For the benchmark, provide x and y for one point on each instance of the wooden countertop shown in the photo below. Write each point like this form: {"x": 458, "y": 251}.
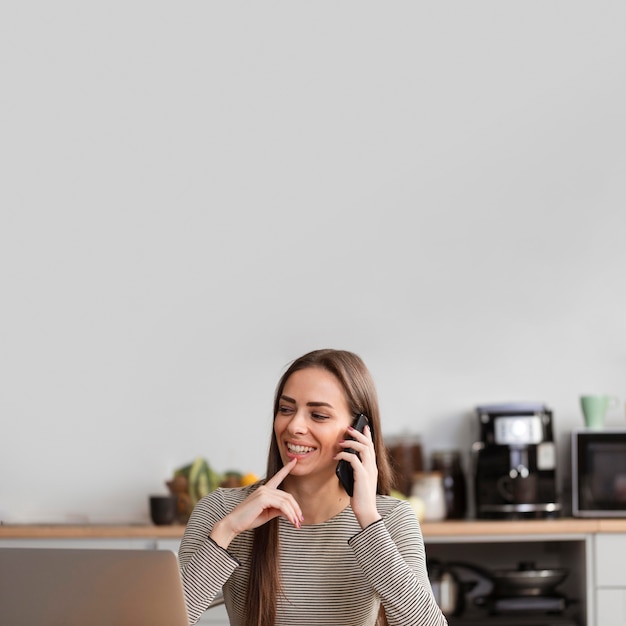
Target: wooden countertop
{"x": 452, "y": 528}
{"x": 92, "y": 531}
{"x": 561, "y": 526}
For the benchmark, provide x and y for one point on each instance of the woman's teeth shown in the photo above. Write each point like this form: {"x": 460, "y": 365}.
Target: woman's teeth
{"x": 299, "y": 449}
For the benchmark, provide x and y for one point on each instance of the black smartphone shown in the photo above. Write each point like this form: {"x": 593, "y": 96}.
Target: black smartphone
{"x": 344, "y": 469}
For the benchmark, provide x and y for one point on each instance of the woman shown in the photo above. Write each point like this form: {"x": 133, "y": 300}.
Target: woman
{"x": 296, "y": 549}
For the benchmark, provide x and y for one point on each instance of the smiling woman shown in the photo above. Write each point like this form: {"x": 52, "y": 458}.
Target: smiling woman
{"x": 295, "y": 548}
{"x": 313, "y": 415}
{"x": 308, "y": 429}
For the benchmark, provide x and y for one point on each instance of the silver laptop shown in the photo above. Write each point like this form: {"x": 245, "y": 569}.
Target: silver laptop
{"x": 100, "y": 587}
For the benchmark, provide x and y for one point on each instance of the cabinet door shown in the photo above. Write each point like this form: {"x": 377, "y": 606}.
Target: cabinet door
{"x": 168, "y": 544}
{"x": 610, "y": 564}
{"x": 611, "y": 607}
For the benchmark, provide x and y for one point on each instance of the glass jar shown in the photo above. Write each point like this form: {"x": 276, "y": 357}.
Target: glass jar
{"x": 428, "y": 487}
{"x": 448, "y": 462}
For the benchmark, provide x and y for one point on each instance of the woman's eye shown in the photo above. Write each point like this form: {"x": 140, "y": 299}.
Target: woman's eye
{"x": 317, "y": 416}
{"x": 285, "y": 410}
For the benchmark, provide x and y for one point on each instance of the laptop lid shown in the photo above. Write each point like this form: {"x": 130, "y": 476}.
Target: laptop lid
{"x": 99, "y": 587}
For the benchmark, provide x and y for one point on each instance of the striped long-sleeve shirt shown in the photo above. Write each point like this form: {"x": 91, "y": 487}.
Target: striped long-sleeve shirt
{"x": 333, "y": 573}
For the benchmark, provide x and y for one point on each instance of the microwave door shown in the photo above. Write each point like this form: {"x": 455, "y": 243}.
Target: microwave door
{"x": 600, "y": 475}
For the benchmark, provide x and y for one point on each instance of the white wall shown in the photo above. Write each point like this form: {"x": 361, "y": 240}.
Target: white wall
{"x": 195, "y": 194}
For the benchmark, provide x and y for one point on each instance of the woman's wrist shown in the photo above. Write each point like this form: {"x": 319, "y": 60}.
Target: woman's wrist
{"x": 367, "y": 519}
{"x": 221, "y": 534}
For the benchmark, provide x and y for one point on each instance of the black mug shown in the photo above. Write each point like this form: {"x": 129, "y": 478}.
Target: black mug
{"x": 163, "y": 509}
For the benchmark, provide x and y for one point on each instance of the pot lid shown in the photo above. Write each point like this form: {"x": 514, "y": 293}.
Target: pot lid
{"x": 526, "y": 570}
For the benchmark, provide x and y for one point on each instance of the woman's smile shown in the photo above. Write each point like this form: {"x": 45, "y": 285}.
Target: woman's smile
{"x": 298, "y": 450}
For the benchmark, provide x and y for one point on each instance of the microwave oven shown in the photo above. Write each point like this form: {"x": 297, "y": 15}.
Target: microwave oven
{"x": 599, "y": 473}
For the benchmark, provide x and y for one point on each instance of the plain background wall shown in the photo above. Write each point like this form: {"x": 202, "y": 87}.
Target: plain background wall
{"x": 195, "y": 194}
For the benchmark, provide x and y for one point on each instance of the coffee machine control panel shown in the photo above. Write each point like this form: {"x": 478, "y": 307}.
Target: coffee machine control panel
{"x": 512, "y": 430}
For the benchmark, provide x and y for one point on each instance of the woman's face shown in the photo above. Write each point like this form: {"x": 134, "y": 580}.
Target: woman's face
{"x": 312, "y": 418}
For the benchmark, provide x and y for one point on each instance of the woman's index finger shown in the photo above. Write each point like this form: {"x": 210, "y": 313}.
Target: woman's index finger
{"x": 280, "y": 475}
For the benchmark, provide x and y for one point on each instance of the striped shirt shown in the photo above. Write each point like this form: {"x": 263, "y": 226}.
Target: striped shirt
{"x": 333, "y": 573}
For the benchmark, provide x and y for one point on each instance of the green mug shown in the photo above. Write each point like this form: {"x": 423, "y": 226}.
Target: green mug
{"x": 595, "y": 408}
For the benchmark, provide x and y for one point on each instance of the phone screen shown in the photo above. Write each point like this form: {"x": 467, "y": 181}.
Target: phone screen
{"x": 344, "y": 469}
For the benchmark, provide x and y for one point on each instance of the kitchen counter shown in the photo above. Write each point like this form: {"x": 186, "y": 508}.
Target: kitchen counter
{"x": 452, "y": 528}
{"x": 584, "y": 547}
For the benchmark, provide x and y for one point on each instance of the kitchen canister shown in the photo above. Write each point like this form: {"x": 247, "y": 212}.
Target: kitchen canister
{"x": 428, "y": 487}
{"x": 405, "y": 454}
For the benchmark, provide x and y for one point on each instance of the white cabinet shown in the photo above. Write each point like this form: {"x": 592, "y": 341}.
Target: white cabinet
{"x": 610, "y": 579}
{"x": 610, "y": 607}
{"x": 215, "y": 616}
{"x": 610, "y": 560}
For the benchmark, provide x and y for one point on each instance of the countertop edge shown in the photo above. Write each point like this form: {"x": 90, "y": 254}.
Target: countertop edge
{"x": 101, "y": 531}
{"x": 449, "y": 528}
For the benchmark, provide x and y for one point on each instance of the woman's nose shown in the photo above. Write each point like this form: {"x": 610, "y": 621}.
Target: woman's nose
{"x": 297, "y": 424}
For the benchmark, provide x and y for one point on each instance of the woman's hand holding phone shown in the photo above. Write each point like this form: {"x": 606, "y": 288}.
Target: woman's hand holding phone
{"x": 263, "y": 504}
{"x": 344, "y": 467}
{"x": 365, "y": 473}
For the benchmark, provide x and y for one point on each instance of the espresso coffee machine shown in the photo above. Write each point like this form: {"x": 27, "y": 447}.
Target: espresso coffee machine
{"x": 515, "y": 462}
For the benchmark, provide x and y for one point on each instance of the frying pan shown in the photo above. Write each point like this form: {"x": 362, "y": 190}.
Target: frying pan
{"x": 527, "y": 580}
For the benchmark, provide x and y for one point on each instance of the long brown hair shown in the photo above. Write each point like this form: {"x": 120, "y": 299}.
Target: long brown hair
{"x": 354, "y": 377}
